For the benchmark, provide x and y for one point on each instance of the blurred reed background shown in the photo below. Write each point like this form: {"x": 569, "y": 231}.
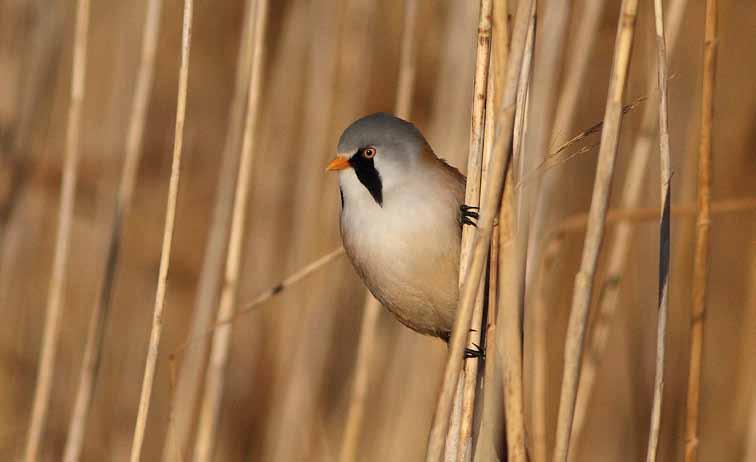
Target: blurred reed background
{"x": 285, "y": 389}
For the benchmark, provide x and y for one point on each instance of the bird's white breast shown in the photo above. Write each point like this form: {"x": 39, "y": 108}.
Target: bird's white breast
{"x": 407, "y": 250}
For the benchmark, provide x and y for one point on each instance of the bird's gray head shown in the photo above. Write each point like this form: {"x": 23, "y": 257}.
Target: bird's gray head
{"x": 381, "y": 152}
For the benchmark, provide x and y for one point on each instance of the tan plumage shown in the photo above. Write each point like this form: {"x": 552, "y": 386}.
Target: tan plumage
{"x": 400, "y": 220}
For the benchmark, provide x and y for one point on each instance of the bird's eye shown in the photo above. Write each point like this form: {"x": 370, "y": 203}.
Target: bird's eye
{"x": 369, "y": 152}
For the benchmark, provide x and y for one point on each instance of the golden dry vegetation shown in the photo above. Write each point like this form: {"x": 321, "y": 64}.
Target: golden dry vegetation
{"x": 285, "y": 390}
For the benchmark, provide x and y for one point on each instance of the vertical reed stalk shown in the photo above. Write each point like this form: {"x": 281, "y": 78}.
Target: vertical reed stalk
{"x": 477, "y": 126}
{"x": 540, "y": 307}
{"x": 577, "y": 66}
{"x": 457, "y": 438}
{"x": 701, "y": 262}
{"x": 575, "y": 69}
{"x": 747, "y": 341}
{"x": 368, "y": 330}
{"x": 470, "y": 383}
{"x": 471, "y": 367}
{"x": 321, "y": 47}
{"x": 489, "y": 444}
{"x": 54, "y": 306}
{"x": 365, "y": 353}
{"x": 451, "y": 448}
{"x": 548, "y": 58}
{"x": 193, "y": 358}
{"x": 510, "y": 335}
{"x": 595, "y": 232}
{"x": 664, "y": 232}
{"x": 98, "y": 320}
{"x": 214, "y": 377}
{"x": 750, "y": 450}
{"x": 549, "y": 52}
{"x": 622, "y": 235}
{"x": 521, "y": 103}
{"x": 408, "y": 56}
{"x": 165, "y": 252}
{"x": 481, "y": 240}
{"x": 352, "y": 30}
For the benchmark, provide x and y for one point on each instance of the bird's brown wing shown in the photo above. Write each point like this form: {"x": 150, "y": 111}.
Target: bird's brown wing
{"x": 454, "y": 172}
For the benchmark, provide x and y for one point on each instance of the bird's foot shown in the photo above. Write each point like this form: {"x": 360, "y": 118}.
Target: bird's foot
{"x": 476, "y": 352}
{"x": 468, "y": 215}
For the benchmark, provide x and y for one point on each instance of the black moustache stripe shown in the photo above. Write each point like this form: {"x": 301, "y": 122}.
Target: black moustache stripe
{"x": 368, "y": 175}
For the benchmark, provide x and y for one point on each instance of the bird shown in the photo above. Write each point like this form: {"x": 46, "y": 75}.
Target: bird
{"x": 402, "y": 212}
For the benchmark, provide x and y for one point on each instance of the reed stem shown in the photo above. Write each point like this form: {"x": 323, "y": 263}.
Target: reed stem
{"x": 183, "y": 404}
{"x": 664, "y": 232}
{"x": 703, "y": 222}
{"x": 54, "y": 305}
{"x": 165, "y": 252}
{"x": 481, "y": 242}
{"x": 622, "y": 235}
{"x": 596, "y": 220}
{"x": 458, "y": 442}
{"x": 215, "y": 374}
{"x": 99, "y": 317}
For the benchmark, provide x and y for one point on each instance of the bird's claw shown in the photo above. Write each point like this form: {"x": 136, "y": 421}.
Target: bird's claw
{"x": 468, "y": 215}
{"x": 476, "y": 352}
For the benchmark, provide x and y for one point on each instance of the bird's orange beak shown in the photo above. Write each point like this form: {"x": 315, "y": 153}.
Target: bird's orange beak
{"x": 338, "y": 163}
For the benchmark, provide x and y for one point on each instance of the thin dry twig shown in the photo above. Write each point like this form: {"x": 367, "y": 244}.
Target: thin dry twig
{"x": 98, "y": 320}
{"x": 165, "y": 253}
{"x": 368, "y": 330}
{"x": 664, "y": 232}
{"x": 285, "y": 284}
{"x": 54, "y": 307}
{"x": 477, "y": 258}
{"x": 183, "y": 406}
{"x": 264, "y": 297}
{"x": 556, "y": 157}
{"x": 701, "y": 262}
{"x": 594, "y": 235}
{"x": 214, "y": 377}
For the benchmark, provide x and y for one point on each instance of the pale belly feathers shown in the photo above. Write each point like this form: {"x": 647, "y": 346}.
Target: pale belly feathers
{"x": 407, "y": 253}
